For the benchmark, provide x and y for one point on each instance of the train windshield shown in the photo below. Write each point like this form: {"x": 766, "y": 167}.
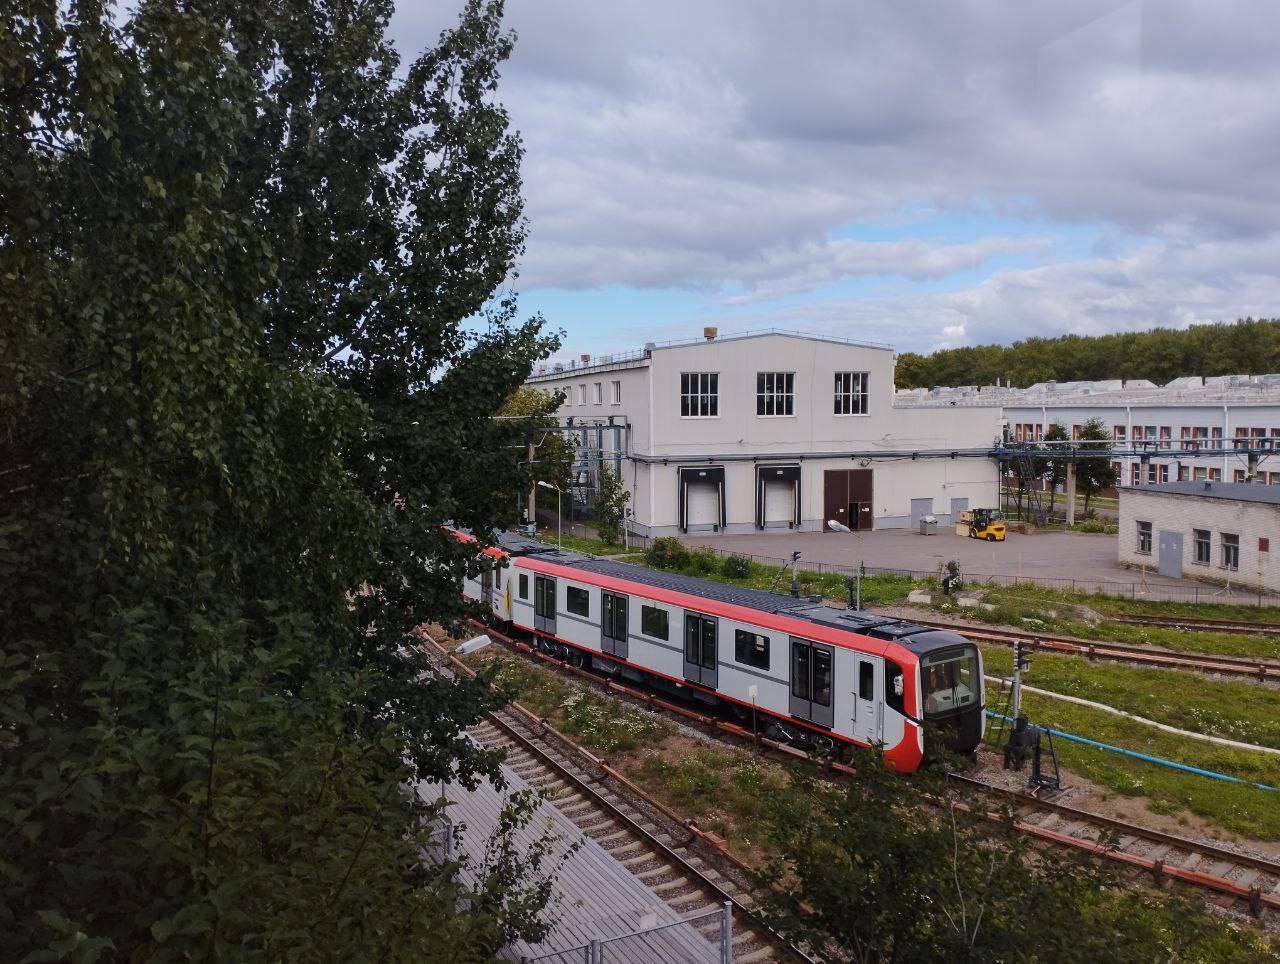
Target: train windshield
{"x": 951, "y": 680}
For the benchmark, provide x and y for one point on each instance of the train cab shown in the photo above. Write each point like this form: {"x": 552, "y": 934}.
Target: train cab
{"x": 951, "y": 689}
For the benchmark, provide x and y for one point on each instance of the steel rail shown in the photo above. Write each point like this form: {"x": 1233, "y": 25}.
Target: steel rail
{"x": 1172, "y": 659}
{"x": 1241, "y": 626}
{"x": 647, "y": 837}
{"x": 1255, "y": 898}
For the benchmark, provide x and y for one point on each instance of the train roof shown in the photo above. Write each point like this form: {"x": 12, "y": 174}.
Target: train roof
{"x": 915, "y": 638}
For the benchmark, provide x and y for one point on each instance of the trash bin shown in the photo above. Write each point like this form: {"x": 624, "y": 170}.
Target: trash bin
{"x": 929, "y": 525}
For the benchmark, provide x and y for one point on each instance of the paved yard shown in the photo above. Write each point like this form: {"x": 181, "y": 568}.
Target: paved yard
{"x": 1043, "y": 555}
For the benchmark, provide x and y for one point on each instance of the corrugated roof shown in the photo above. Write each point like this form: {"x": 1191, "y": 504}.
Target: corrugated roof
{"x": 1231, "y": 491}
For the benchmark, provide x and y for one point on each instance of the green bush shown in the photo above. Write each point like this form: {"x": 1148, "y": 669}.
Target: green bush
{"x": 703, "y": 562}
{"x": 667, "y": 553}
{"x": 736, "y": 567}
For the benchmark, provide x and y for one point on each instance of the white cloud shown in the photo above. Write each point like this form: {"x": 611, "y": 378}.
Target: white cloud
{"x": 722, "y": 145}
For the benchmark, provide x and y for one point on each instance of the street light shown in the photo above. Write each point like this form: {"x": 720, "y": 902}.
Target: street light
{"x": 835, "y": 526}
{"x": 548, "y": 485}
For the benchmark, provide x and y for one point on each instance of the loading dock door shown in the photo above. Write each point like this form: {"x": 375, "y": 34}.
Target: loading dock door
{"x": 779, "y": 503}
{"x": 958, "y": 506}
{"x": 1171, "y": 554}
{"x": 701, "y": 493}
{"x": 704, "y": 504}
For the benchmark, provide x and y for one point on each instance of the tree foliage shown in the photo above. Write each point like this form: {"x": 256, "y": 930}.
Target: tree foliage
{"x": 874, "y": 873}
{"x": 1160, "y": 355}
{"x": 241, "y": 388}
{"x": 609, "y": 505}
{"x": 531, "y": 419}
{"x": 1094, "y": 474}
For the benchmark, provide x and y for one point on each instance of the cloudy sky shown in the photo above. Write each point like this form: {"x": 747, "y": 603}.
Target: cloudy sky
{"x": 924, "y": 174}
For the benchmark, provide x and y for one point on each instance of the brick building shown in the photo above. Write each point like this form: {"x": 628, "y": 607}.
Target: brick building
{"x": 1214, "y": 531}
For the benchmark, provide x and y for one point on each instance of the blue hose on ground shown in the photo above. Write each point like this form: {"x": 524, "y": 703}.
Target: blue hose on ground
{"x": 1140, "y": 756}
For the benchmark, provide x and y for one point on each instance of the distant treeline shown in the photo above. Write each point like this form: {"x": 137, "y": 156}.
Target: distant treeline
{"x": 1246, "y": 347}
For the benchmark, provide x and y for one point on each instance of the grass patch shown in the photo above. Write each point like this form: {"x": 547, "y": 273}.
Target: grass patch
{"x": 592, "y": 547}
{"x": 1232, "y": 806}
{"x": 1232, "y": 710}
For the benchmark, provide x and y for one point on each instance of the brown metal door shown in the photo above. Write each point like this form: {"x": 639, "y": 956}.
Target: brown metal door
{"x": 859, "y": 499}
{"x": 835, "y": 497}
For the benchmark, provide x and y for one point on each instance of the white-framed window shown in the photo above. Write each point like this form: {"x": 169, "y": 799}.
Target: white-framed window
{"x": 1164, "y": 473}
{"x": 1144, "y": 538}
{"x": 1230, "y": 550}
{"x": 597, "y": 393}
{"x": 699, "y": 394}
{"x": 1200, "y": 540}
{"x": 851, "y": 393}
{"x": 775, "y": 393}
{"x": 582, "y": 394}
{"x": 615, "y": 395}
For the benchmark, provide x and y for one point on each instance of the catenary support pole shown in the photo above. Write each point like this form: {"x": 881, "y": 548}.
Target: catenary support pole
{"x": 1070, "y": 486}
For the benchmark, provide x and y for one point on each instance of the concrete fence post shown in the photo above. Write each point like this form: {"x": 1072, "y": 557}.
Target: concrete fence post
{"x": 726, "y": 933}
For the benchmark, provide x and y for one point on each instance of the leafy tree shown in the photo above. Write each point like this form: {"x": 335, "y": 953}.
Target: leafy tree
{"x": 874, "y": 873}
{"x": 1160, "y": 355}
{"x": 241, "y": 389}
{"x": 609, "y": 505}
{"x": 1055, "y": 469}
{"x": 532, "y": 415}
{"x": 1094, "y": 474}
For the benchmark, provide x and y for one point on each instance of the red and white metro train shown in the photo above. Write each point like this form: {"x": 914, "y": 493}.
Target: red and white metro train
{"x": 808, "y": 673}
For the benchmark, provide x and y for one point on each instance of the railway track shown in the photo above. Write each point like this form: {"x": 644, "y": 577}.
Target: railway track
{"x": 1235, "y": 880}
{"x": 1204, "y": 624}
{"x": 685, "y": 866}
{"x": 1230, "y": 879}
{"x": 1260, "y": 669}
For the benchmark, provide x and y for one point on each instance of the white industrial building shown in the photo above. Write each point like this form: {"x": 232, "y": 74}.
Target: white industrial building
{"x": 772, "y": 430}
{"x": 1160, "y": 424}
{"x": 1215, "y": 531}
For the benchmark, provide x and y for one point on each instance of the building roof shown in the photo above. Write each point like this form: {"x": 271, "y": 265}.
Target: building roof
{"x": 553, "y": 370}
{"x": 1230, "y": 491}
{"x": 1136, "y": 393}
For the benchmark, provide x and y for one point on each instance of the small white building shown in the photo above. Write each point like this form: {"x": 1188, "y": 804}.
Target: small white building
{"x": 1215, "y": 531}
{"x": 773, "y": 430}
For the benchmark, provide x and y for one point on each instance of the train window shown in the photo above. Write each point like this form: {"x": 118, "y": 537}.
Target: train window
{"x": 524, "y": 586}
{"x": 866, "y": 680}
{"x": 893, "y": 686}
{"x": 577, "y": 601}
{"x": 653, "y": 622}
{"x": 800, "y": 672}
{"x": 821, "y": 677}
{"x": 751, "y": 649}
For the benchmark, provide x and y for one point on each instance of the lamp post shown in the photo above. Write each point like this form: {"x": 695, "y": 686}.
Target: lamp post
{"x": 835, "y": 526}
{"x": 548, "y": 485}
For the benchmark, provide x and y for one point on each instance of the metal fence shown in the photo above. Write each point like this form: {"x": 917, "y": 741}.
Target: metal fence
{"x": 679, "y": 940}
{"x": 1140, "y": 589}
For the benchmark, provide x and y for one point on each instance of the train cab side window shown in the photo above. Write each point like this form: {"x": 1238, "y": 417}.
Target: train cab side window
{"x": 577, "y": 601}
{"x": 866, "y": 680}
{"x": 893, "y": 686}
{"x": 653, "y": 622}
{"x": 524, "y": 586}
{"x": 751, "y": 649}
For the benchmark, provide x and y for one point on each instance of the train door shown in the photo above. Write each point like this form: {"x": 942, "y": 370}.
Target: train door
{"x": 811, "y": 666}
{"x": 486, "y": 589}
{"x": 700, "y": 660}
{"x": 613, "y": 624}
{"x": 868, "y": 713}
{"x": 544, "y": 604}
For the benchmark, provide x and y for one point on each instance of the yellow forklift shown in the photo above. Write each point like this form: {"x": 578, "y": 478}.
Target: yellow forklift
{"x": 982, "y": 524}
